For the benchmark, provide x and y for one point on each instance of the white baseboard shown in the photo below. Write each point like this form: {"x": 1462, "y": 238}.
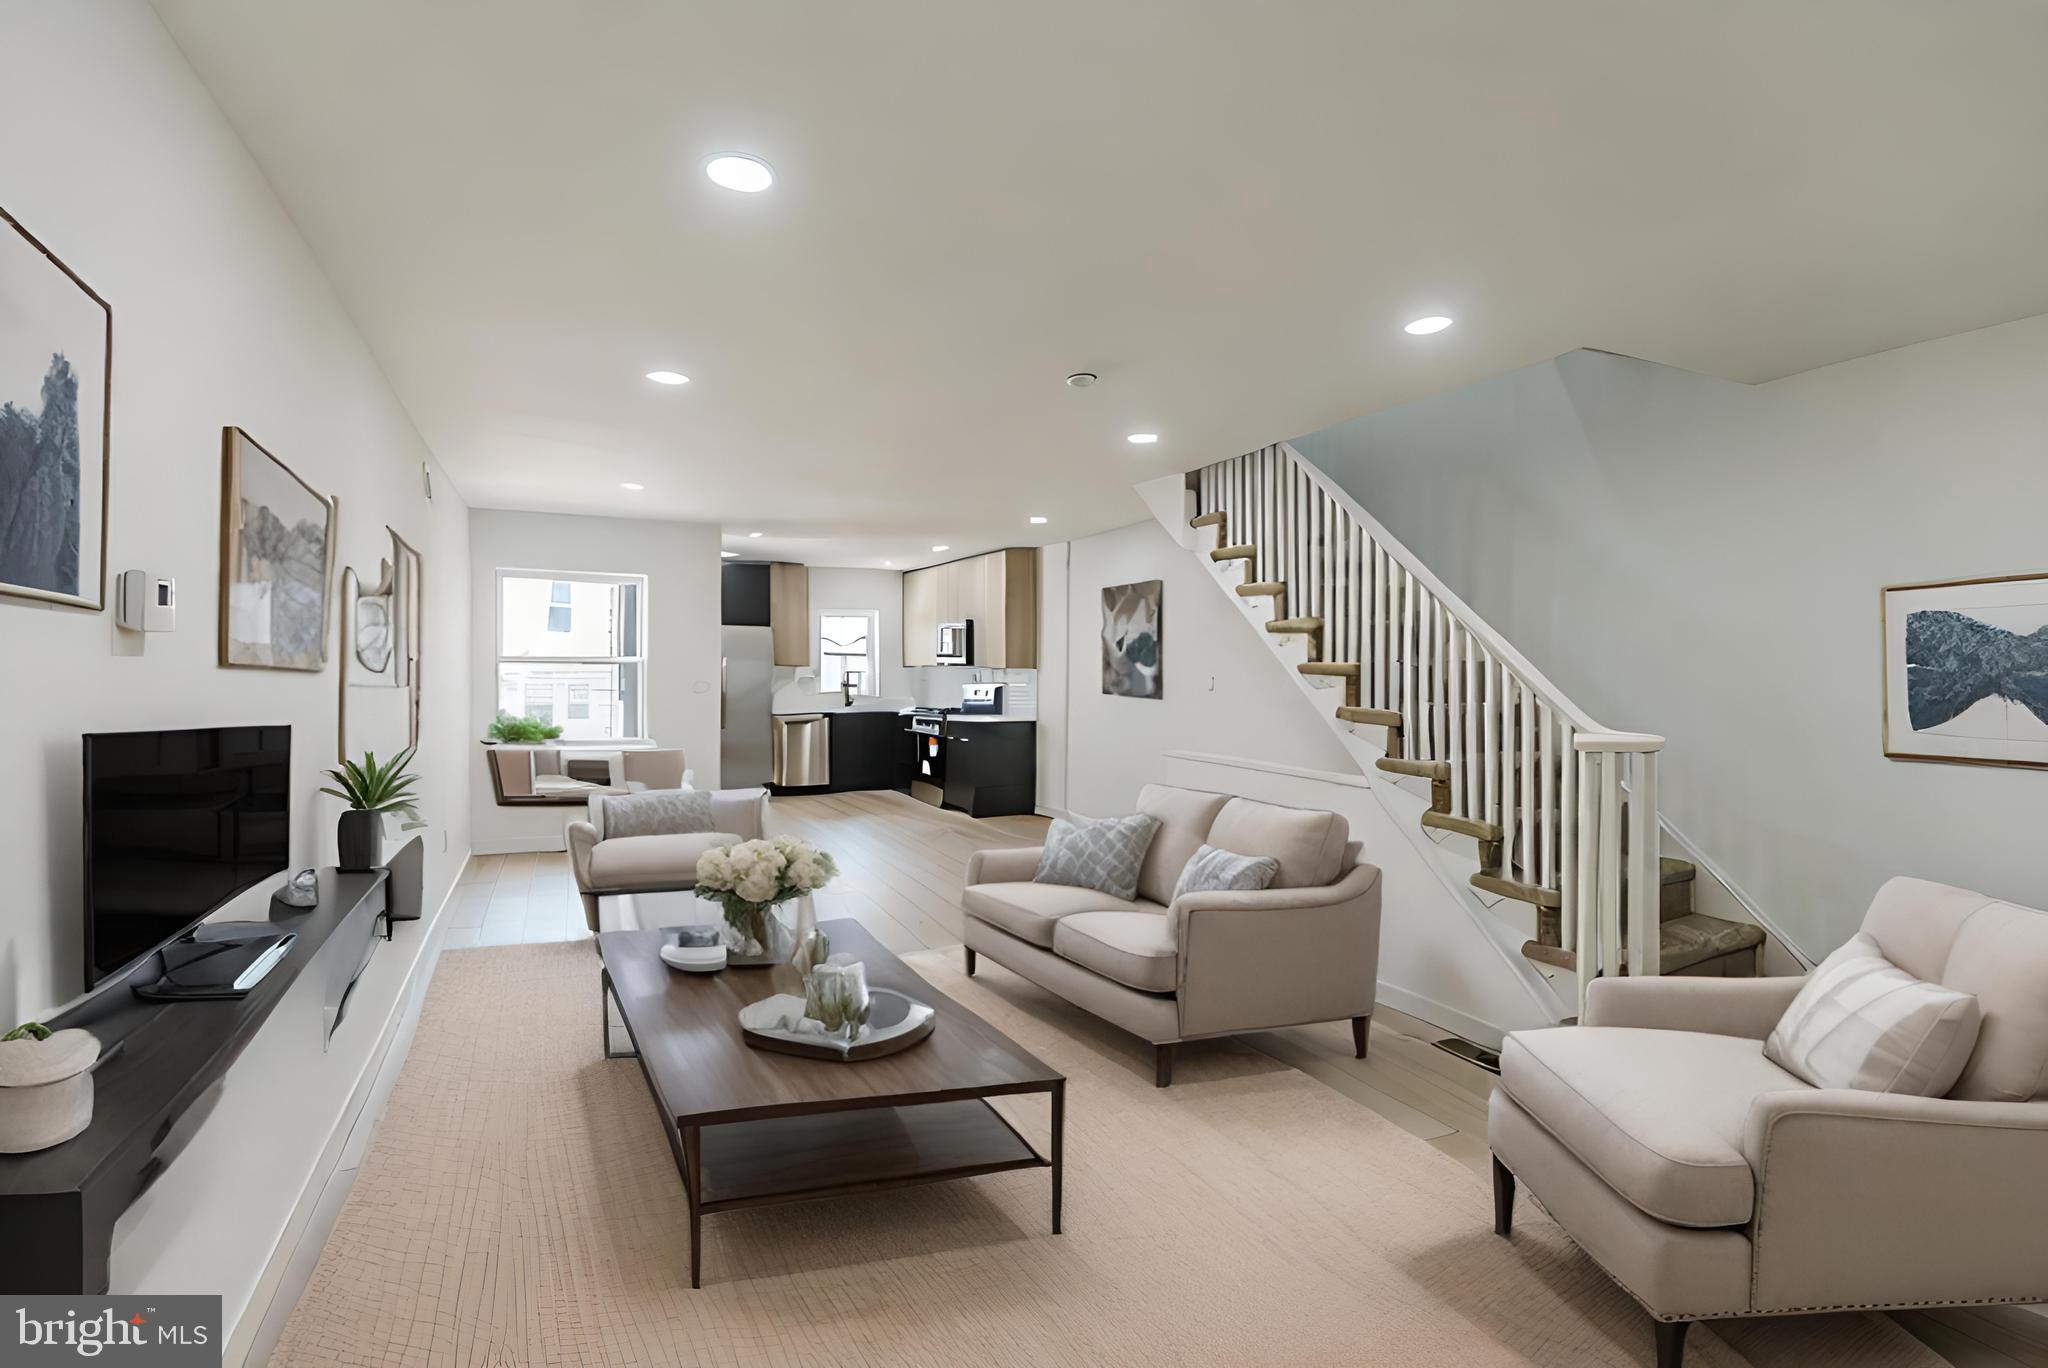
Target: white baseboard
{"x": 1436, "y": 1014}
{"x": 520, "y": 845}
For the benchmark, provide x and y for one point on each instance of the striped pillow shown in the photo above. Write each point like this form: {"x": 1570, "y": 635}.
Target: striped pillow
{"x": 1862, "y": 1022}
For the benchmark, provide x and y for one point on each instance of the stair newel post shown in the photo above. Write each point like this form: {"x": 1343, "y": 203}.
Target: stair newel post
{"x": 1568, "y": 865}
{"x": 1609, "y": 912}
{"x": 1583, "y": 901}
{"x": 1645, "y": 874}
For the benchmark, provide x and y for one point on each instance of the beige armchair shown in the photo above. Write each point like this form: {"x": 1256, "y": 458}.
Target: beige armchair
{"x": 655, "y": 861}
{"x": 1710, "y": 1183}
{"x": 1208, "y": 964}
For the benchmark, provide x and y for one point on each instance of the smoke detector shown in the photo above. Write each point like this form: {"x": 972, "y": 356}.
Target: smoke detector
{"x": 1081, "y": 379}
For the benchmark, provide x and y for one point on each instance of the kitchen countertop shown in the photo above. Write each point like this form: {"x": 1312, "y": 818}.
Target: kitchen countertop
{"x": 979, "y": 717}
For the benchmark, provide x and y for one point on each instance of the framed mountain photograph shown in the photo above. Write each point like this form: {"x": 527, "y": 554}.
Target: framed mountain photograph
{"x": 1966, "y": 671}
{"x": 56, "y": 357}
{"x": 276, "y": 561}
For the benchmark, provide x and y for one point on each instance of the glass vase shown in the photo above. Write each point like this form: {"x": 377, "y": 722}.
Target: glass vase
{"x": 755, "y": 937}
{"x": 808, "y": 945}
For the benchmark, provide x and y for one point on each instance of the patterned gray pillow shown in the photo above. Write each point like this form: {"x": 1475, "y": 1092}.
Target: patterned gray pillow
{"x": 1210, "y": 870}
{"x": 1102, "y": 855}
{"x": 662, "y": 812}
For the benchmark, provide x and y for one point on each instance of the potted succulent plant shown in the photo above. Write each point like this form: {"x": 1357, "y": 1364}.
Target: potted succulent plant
{"x": 371, "y": 790}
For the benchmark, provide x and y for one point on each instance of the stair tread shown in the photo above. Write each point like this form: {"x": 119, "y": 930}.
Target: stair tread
{"x": 1211, "y": 519}
{"x": 1234, "y": 553}
{"x": 1673, "y": 871}
{"x": 1682, "y": 943}
{"x": 1493, "y": 881}
{"x": 1415, "y": 769}
{"x": 1306, "y": 624}
{"x": 1464, "y": 826}
{"x": 1346, "y": 669}
{"x": 1376, "y": 717}
{"x": 1262, "y": 588}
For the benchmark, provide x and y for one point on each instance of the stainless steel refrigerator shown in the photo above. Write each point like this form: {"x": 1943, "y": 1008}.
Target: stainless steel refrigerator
{"x": 746, "y": 681}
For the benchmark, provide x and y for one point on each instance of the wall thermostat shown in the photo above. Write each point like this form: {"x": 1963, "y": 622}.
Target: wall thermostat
{"x": 146, "y": 602}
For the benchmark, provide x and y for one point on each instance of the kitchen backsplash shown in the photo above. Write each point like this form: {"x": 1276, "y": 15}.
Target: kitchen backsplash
{"x": 938, "y": 686}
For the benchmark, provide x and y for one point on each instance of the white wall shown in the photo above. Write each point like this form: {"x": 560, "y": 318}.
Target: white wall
{"x": 117, "y": 159}
{"x": 1703, "y": 559}
{"x": 680, "y": 561}
{"x": 1220, "y": 694}
{"x": 834, "y": 589}
{"x": 221, "y": 316}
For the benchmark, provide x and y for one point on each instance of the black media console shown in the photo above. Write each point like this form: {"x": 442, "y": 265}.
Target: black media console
{"x": 161, "y": 1073}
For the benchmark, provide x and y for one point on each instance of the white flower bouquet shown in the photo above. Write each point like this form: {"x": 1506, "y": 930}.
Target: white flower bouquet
{"x": 750, "y": 878}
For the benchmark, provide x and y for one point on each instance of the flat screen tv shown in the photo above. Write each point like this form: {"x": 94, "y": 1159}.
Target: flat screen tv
{"x": 177, "y": 823}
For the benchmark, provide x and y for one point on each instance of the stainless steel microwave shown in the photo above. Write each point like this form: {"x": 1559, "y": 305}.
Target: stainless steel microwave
{"x": 956, "y": 643}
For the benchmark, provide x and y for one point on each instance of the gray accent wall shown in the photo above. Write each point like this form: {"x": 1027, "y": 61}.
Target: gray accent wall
{"x": 1703, "y": 559}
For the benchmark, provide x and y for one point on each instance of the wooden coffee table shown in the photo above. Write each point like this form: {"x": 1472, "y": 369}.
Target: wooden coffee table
{"x": 751, "y": 1127}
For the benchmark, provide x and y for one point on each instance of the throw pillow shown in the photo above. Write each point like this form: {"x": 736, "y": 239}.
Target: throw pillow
{"x": 658, "y": 812}
{"x": 1103, "y": 855}
{"x": 1211, "y": 870}
{"x": 1862, "y": 1022}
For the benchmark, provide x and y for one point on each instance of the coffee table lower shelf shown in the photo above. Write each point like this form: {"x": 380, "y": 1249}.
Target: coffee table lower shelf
{"x": 846, "y": 1152}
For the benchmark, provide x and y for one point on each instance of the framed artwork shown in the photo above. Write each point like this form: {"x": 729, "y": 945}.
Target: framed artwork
{"x": 381, "y": 628}
{"x": 276, "y": 561}
{"x": 1966, "y": 671}
{"x": 1130, "y": 639}
{"x": 56, "y": 363}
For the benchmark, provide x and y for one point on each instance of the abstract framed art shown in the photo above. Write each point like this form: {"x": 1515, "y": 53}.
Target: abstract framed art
{"x": 276, "y": 561}
{"x": 1131, "y": 666}
{"x": 56, "y": 366}
{"x": 1966, "y": 671}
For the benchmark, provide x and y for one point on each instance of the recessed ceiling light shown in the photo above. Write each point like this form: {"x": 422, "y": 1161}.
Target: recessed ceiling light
{"x": 628, "y": 484}
{"x": 1036, "y": 519}
{"x": 753, "y": 534}
{"x": 728, "y": 555}
{"x": 738, "y": 171}
{"x": 942, "y": 548}
{"x": 1082, "y": 379}
{"x": 888, "y": 562}
{"x": 668, "y": 377}
{"x": 1423, "y": 327}
{"x": 1143, "y": 438}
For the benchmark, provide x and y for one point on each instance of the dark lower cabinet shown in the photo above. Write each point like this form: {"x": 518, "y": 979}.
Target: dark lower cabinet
{"x": 992, "y": 768}
{"x": 866, "y": 749}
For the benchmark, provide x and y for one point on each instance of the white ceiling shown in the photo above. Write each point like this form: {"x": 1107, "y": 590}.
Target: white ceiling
{"x": 1226, "y": 208}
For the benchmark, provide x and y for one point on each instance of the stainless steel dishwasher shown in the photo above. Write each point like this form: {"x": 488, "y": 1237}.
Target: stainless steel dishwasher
{"x": 803, "y": 750}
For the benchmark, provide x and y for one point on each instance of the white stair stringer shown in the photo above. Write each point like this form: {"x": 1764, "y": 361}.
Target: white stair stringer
{"x": 1446, "y": 955}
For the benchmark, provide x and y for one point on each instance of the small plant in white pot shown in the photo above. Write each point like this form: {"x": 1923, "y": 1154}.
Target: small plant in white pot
{"x": 45, "y": 1086}
{"x": 748, "y": 880}
{"x": 371, "y": 790}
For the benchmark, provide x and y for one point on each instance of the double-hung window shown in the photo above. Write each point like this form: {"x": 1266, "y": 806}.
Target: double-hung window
{"x": 572, "y": 652}
{"x": 846, "y": 646}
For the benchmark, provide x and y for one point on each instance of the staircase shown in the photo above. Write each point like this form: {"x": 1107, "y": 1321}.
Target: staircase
{"x": 1561, "y": 811}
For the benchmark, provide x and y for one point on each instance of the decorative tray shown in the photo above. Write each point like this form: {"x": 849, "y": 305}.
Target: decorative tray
{"x": 895, "y": 1022}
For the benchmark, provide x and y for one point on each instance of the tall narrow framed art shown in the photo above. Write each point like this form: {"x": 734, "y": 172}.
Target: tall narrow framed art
{"x": 56, "y": 366}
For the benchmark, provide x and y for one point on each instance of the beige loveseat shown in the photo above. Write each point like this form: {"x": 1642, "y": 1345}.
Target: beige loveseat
{"x": 657, "y": 863}
{"x": 1709, "y": 1182}
{"x": 1209, "y": 964}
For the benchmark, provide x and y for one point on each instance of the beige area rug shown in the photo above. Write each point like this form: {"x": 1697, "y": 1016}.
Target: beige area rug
{"x": 519, "y": 1206}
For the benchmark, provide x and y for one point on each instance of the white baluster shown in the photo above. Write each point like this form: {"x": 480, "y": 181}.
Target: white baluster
{"x": 1489, "y": 709}
{"x": 1584, "y": 910}
{"x": 1546, "y": 794}
{"x": 1510, "y": 778}
{"x": 1567, "y": 840}
{"x": 1645, "y": 874}
{"x": 1454, "y": 704}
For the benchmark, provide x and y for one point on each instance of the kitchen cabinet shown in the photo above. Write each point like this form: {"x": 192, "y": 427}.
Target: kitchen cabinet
{"x": 789, "y": 612}
{"x": 867, "y": 749}
{"x": 921, "y": 616}
{"x": 997, "y": 592}
{"x": 991, "y": 768}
